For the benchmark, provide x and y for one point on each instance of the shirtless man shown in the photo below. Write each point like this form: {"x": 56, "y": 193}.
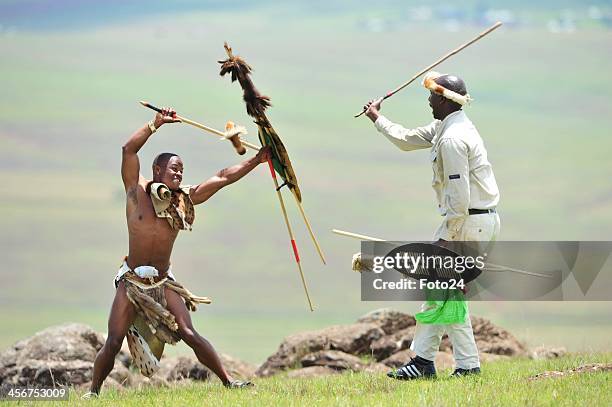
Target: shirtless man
{"x": 151, "y": 239}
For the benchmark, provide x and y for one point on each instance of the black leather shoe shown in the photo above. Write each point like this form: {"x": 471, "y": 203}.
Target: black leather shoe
{"x": 417, "y": 368}
{"x": 465, "y": 372}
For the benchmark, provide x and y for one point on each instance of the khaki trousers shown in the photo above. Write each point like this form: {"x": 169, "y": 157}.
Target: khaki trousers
{"x": 479, "y": 228}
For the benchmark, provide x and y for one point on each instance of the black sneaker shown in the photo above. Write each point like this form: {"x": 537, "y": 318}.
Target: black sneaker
{"x": 465, "y": 372}
{"x": 417, "y": 368}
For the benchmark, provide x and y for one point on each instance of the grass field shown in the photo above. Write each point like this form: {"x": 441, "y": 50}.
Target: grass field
{"x": 69, "y": 100}
{"x": 503, "y": 383}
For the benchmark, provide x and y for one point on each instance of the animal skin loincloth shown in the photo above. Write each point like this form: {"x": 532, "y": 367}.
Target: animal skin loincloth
{"x": 154, "y": 325}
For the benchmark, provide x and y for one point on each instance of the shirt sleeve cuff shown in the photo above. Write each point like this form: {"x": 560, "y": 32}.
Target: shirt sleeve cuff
{"x": 382, "y": 123}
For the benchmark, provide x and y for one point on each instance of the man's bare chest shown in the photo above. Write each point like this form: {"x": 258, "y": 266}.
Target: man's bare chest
{"x": 141, "y": 216}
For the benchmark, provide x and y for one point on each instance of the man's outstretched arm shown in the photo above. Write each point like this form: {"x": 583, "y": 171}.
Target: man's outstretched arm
{"x": 208, "y": 188}
{"x": 403, "y": 138}
{"x": 130, "y": 166}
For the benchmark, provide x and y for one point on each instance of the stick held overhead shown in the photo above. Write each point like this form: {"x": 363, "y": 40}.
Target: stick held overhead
{"x": 228, "y": 135}
{"x": 438, "y": 62}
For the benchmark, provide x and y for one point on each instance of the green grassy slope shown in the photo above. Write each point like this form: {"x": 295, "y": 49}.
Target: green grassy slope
{"x": 501, "y": 384}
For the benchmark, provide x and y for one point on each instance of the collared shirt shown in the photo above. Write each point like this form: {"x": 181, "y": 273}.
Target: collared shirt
{"x": 462, "y": 175}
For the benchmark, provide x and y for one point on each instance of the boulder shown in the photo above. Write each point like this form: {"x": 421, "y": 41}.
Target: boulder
{"x": 64, "y": 355}
{"x": 312, "y": 371}
{"x": 174, "y": 369}
{"x": 179, "y": 368}
{"x": 139, "y": 381}
{"x": 491, "y": 338}
{"x": 542, "y": 352}
{"x": 354, "y": 339}
{"x": 444, "y": 360}
{"x": 588, "y": 368}
{"x": 387, "y": 345}
{"x": 59, "y": 355}
{"x": 389, "y": 320}
{"x": 238, "y": 368}
{"x": 62, "y": 343}
{"x": 490, "y": 357}
{"x": 376, "y": 368}
{"x": 333, "y": 359}
{"x": 51, "y": 373}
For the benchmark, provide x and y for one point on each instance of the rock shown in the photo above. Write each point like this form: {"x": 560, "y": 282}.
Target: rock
{"x": 384, "y": 333}
{"x": 543, "y": 352}
{"x": 238, "y": 368}
{"x": 444, "y": 360}
{"x": 121, "y": 374}
{"x": 589, "y": 368}
{"x": 445, "y": 344}
{"x": 65, "y": 354}
{"x": 53, "y": 373}
{"x": 61, "y": 354}
{"x": 353, "y": 339}
{"x": 399, "y": 358}
{"x": 62, "y": 343}
{"x": 179, "y": 368}
{"x": 387, "y": 345}
{"x": 490, "y": 357}
{"x": 312, "y": 371}
{"x": 141, "y": 382}
{"x": 492, "y": 339}
{"x": 376, "y": 368}
{"x": 333, "y": 359}
{"x": 388, "y": 320}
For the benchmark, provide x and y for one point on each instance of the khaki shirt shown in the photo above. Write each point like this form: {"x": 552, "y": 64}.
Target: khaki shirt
{"x": 462, "y": 175}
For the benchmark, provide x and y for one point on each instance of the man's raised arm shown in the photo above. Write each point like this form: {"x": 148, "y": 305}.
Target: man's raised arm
{"x": 208, "y": 188}
{"x": 130, "y": 166}
{"x": 403, "y": 138}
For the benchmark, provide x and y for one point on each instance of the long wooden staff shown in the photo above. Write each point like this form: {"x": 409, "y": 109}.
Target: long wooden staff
{"x": 310, "y": 232}
{"x": 438, "y": 62}
{"x": 296, "y": 254}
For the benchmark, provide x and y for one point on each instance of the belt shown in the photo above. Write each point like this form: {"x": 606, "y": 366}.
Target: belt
{"x": 481, "y": 211}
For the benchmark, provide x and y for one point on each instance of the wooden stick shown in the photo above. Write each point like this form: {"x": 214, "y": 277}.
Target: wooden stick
{"x": 438, "y": 62}
{"x": 488, "y": 266}
{"x": 293, "y": 244}
{"x": 496, "y": 267}
{"x": 296, "y": 254}
{"x": 312, "y": 235}
{"x": 200, "y": 125}
{"x": 357, "y": 236}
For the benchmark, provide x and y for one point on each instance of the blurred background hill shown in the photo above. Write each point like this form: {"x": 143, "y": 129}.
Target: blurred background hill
{"x": 72, "y": 73}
